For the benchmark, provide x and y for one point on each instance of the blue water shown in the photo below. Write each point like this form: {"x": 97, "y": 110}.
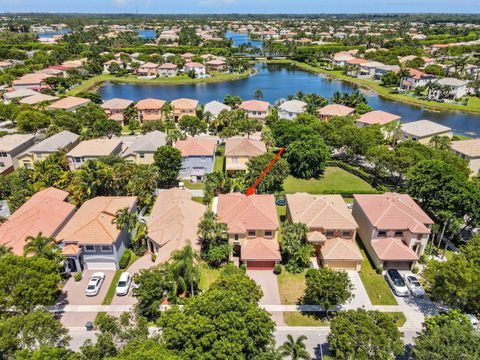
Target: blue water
{"x": 278, "y": 81}
{"x": 52, "y": 34}
{"x": 147, "y": 34}
{"x": 240, "y": 39}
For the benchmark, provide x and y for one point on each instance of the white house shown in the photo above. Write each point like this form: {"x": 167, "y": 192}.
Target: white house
{"x": 168, "y": 70}
{"x": 215, "y": 108}
{"x": 455, "y": 88}
{"x": 290, "y": 109}
{"x": 199, "y": 69}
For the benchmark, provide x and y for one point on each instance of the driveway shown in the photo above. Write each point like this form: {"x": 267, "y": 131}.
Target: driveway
{"x": 74, "y": 292}
{"x": 360, "y": 298}
{"x": 267, "y": 281}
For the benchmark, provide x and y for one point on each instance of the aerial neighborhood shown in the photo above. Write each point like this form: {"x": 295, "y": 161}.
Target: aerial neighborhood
{"x": 239, "y": 186}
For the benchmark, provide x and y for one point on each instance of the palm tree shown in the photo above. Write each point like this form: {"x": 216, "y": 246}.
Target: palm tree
{"x": 184, "y": 268}
{"x": 42, "y": 246}
{"x": 337, "y": 97}
{"x": 173, "y": 135}
{"x": 135, "y": 225}
{"x": 5, "y": 250}
{"x": 294, "y": 349}
{"x": 258, "y": 94}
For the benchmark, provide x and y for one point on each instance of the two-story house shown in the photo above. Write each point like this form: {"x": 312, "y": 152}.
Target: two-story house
{"x": 255, "y": 109}
{"x": 148, "y": 69}
{"x": 456, "y": 89}
{"x": 198, "y": 156}
{"x": 168, "y": 70}
{"x": 331, "y": 110}
{"x": 291, "y": 109}
{"x": 214, "y": 108}
{"x": 238, "y": 151}
{"x": 331, "y": 228}
{"x": 115, "y": 109}
{"x": 63, "y": 140}
{"x": 183, "y": 107}
{"x": 10, "y": 147}
{"x": 415, "y": 78}
{"x": 252, "y": 228}
{"x": 470, "y": 151}
{"x": 197, "y": 68}
{"x": 91, "y": 150}
{"x": 149, "y": 110}
{"x": 393, "y": 229}
{"x": 142, "y": 149}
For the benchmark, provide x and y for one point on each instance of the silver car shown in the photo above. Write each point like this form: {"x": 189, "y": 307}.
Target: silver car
{"x": 414, "y": 285}
{"x": 94, "y": 284}
{"x": 123, "y": 284}
{"x": 396, "y": 282}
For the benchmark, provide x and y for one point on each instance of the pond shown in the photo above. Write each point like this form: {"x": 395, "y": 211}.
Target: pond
{"x": 241, "y": 38}
{"x": 147, "y": 34}
{"x": 277, "y": 81}
{"x": 52, "y": 34}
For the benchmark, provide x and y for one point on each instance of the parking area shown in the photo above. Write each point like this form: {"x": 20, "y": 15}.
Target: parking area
{"x": 74, "y": 292}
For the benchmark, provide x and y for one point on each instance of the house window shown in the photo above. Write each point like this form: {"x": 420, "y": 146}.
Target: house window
{"x": 2, "y": 164}
{"x": 268, "y": 233}
{"x": 106, "y": 248}
{"x": 330, "y": 233}
{"x": 251, "y": 233}
{"x": 39, "y": 156}
{"x": 346, "y": 233}
{"x": 3, "y": 154}
{"x": 236, "y": 237}
{"x": 235, "y": 160}
{"x": 419, "y": 236}
{"x": 77, "y": 159}
{"x": 398, "y": 233}
{"x": 89, "y": 248}
{"x": 382, "y": 233}
{"x": 142, "y": 155}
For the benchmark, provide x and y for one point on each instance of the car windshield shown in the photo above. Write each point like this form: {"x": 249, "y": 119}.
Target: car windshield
{"x": 91, "y": 287}
{"x": 122, "y": 283}
{"x": 397, "y": 279}
{"x": 415, "y": 283}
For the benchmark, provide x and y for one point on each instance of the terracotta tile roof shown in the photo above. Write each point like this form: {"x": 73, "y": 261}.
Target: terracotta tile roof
{"x": 254, "y": 105}
{"x": 194, "y": 65}
{"x": 149, "y": 65}
{"x": 378, "y": 117}
{"x": 69, "y": 102}
{"x": 186, "y": 104}
{"x": 340, "y": 249}
{"x": 116, "y": 104}
{"x": 261, "y": 249}
{"x": 392, "y": 211}
{"x": 392, "y": 249}
{"x": 356, "y": 61}
{"x": 168, "y": 66}
{"x": 37, "y": 98}
{"x": 31, "y": 79}
{"x": 336, "y": 110}
{"x": 244, "y": 147}
{"x": 327, "y": 212}
{"x": 316, "y": 236}
{"x": 45, "y": 212}
{"x": 71, "y": 249}
{"x": 95, "y": 147}
{"x": 242, "y": 213}
{"x": 150, "y": 104}
{"x": 174, "y": 218}
{"x": 470, "y": 148}
{"x": 92, "y": 223}
{"x": 196, "y": 146}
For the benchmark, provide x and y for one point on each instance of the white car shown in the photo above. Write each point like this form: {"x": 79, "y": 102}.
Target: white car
{"x": 123, "y": 284}
{"x": 94, "y": 284}
{"x": 414, "y": 285}
{"x": 396, "y": 282}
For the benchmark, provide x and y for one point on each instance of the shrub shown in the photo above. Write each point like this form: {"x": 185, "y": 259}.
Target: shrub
{"x": 243, "y": 267}
{"x": 125, "y": 259}
{"x": 423, "y": 259}
{"x": 277, "y": 269}
{"x": 379, "y": 270}
{"x": 77, "y": 276}
{"x": 153, "y": 257}
{"x": 140, "y": 250}
{"x": 415, "y": 270}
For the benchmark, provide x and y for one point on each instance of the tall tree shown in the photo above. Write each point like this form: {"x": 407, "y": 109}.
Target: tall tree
{"x": 307, "y": 158}
{"x": 169, "y": 162}
{"x": 42, "y": 246}
{"x": 273, "y": 180}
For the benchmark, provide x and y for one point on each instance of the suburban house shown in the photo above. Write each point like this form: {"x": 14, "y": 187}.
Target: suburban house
{"x": 148, "y": 69}
{"x": 329, "y": 111}
{"x": 252, "y": 228}
{"x": 468, "y": 150}
{"x": 383, "y": 69}
{"x": 182, "y": 107}
{"x": 215, "y": 107}
{"x": 17, "y": 94}
{"x": 10, "y": 147}
{"x": 115, "y": 108}
{"x": 34, "y": 81}
{"x": 448, "y": 88}
{"x": 107, "y": 64}
{"x": 69, "y": 103}
{"x": 168, "y": 70}
{"x": 62, "y": 140}
{"x": 238, "y": 151}
{"x": 368, "y": 69}
{"x": 422, "y": 131}
{"x": 255, "y": 109}
{"x": 414, "y": 79}
{"x": 215, "y": 64}
{"x": 290, "y": 109}
{"x": 340, "y": 59}
{"x": 393, "y": 229}
{"x": 331, "y": 228}
{"x": 381, "y": 118}
{"x": 46, "y": 212}
{"x": 37, "y": 99}
{"x": 142, "y": 149}
{"x": 187, "y": 57}
{"x": 91, "y": 150}
{"x": 198, "y": 157}
{"x": 173, "y": 223}
{"x": 149, "y": 110}
{"x": 199, "y": 69}
{"x": 91, "y": 239}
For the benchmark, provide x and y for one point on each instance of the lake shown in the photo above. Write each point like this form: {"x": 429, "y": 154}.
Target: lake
{"x": 52, "y": 34}
{"x": 147, "y": 34}
{"x": 241, "y": 38}
{"x": 277, "y": 81}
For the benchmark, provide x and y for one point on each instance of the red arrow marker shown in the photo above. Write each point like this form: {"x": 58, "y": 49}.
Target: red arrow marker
{"x": 251, "y": 189}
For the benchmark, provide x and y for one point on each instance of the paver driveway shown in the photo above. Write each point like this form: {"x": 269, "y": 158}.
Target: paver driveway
{"x": 74, "y": 292}
{"x": 267, "y": 280}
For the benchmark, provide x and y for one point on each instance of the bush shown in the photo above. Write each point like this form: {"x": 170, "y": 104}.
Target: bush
{"x": 77, "y": 276}
{"x": 379, "y": 270}
{"x": 125, "y": 259}
{"x": 153, "y": 257}
{"x": 415, "y": 270}
{"x": 243, "y": 267}
{"x": 423, "y": 259}
{"x": 277, "y": 269}
{"x": 140, "y": 250}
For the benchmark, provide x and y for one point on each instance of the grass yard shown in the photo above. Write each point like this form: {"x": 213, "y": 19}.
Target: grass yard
{"x": 377, "y": 288}
{"x": 192, "y": 186}
{"x": 207, "y": 276}
{"x": 291, "y": 287}
{"x": 399, "y": 317}
{"x": 334, "y": 181}
{"x": 219, "y": 162}
{"x": 298, "y": 319}
{"x": 198, "y": 199}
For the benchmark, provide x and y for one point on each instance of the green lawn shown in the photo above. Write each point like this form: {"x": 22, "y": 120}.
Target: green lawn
{"x": 377, "y": 288}
{"x": 207, "y": 276}
{"x": 219, "y": 162}
{"x": 192, "y": 186}
{"x": 399, "y": 318}
{"x": 111, "y": 290}
{"x": 333, "y": 181}
{"x": 198, "y": 199}
{"x": 298, "y": 319}
{"x": 291, "y": 287}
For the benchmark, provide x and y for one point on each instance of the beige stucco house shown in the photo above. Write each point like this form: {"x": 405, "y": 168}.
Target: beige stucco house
{"x": 142, "y": 149}
{"x": 238, "y": 151}
{"x": 468, "y": 150}
{"x": 422, "y": 131}
{"x": 93, "y": 149}
{"x": 183, "y": 107}
{"x": 10, "y": 147}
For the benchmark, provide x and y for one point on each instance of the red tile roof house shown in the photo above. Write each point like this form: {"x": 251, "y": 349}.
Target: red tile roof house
{"x": 45, "y": 212}
{"x": 379, "y": 117}
{"x": 415, "y": 78}
{"x": 252, "y": 228}
{"x": 332, "y": 228}
{"x": 329, "y": 111}
{"x": 255, "y": 109}
{"x": 149, "y": 110}
{"x": 393, "y": 228}
{"x": 115, "y": 108}
{"x": 198, "y": 157}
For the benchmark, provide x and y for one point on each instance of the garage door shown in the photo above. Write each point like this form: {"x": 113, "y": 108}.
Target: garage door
{"x": 260, "y": 265}
{"x": 342, "y": 265}
{"x": 399, "y": 265}
{"x": 100, "y": 264}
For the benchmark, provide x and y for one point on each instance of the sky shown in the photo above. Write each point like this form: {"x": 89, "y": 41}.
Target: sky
{"x": 241, "y": 6}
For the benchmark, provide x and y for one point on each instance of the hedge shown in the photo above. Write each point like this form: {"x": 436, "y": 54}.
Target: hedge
{"x": 125, "y": 259}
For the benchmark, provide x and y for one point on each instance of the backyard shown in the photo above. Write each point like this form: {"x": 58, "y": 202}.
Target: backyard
{"x": 207, "y": 276}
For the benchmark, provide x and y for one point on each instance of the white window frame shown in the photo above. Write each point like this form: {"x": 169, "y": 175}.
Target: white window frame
{"x": 103, "y": 250}
{"x": 87, "y": 250}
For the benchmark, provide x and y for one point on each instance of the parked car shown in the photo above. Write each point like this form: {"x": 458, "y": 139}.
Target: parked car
{"x": 396, "y": 282}
{"x": 414, "y": 285}
{"x": 123, "y": 284}
{"x": 94, "y": 284}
